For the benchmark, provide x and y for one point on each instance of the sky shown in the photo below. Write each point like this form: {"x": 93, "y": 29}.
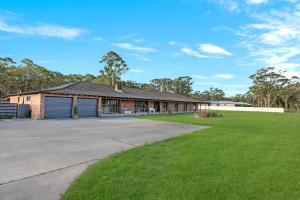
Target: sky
{"x": 219, "y": 43}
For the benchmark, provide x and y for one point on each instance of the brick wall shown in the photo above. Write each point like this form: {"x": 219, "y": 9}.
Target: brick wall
{"x": 128, "y": 105}
{"x": 151, "y": 104}
{"x": 34, "y": 102}
{"x": 180, "y": 107}
{"x": 170, "y": 106}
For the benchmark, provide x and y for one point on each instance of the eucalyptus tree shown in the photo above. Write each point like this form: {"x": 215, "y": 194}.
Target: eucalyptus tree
{"x": 114, "y": 67}
{"x": 267, "y": 85}
{"x": 213, "y": 94}
{"x": 163, "y": 84}
{"x": 183, "y": 85}
{"x": 5, "y": 64}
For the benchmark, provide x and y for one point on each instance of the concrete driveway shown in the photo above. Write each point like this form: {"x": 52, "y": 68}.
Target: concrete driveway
{"x": 39, "y": 159}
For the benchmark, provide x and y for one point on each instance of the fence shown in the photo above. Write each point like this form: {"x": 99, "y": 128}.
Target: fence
{"x": 249, "y": 109}
{"x": 10, "y": 110}
{"x": 23, "y": 111}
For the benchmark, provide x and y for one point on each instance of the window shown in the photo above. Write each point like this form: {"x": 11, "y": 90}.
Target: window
{"x": 141, "y": 106}
{"x": 185, "y": 108}
{"x": 28, "y": 98}
{"x": 176, "y": 107}
{"x": 165, "y": 106}
{"x": 110, "y": 106}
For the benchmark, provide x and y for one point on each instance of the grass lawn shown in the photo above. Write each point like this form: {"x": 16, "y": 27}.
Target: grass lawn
{"x": 243, "y": 156}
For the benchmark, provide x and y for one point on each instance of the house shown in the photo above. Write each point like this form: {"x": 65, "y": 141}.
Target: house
{"x": 95, "y": 100}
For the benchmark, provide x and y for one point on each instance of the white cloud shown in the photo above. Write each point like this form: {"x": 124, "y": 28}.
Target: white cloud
{"x": 224, "y": 76}
{"x": 135, "y": 70}
{"x": 191, "y": 52}
{"x": 46, "y": 30}
{"x": 139, "y": 57}
{"x": 230, "y": 5}
{"x": 138, "y": 40}
{"x": 213, "y": 49}
{"x": 292, "y": 73}
{"x": 133, "y": 38}
{"x": 172, "y": 43}
{"x": 132, "y": 47}
{"x": 131, "y": 35}
{"x": 273, "y": 39}
{"x": 97, "y": 38}
{"x": 257, "y": 1}
{"x": 204, "y": 50}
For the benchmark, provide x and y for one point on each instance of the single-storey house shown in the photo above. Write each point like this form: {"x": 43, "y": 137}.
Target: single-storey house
{"x": 96, "y": 100}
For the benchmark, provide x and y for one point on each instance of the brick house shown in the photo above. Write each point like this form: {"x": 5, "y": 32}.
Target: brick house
{"x": 96, "y": 100}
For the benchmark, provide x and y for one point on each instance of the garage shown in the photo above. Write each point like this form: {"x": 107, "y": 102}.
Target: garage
{"x": 58, "y": 107}
{"x": 87, "y": 107}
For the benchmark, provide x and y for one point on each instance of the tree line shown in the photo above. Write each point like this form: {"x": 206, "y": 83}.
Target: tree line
{"x": 28, "y": 76}
{"x": 270, "y": 88}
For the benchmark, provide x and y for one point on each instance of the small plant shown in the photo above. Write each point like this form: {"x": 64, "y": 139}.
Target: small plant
{"x": 208, "y": 114}
{"x": 75, "y": 112}
{"x": 6, "y": 117}
{"x": 28, "y": 114}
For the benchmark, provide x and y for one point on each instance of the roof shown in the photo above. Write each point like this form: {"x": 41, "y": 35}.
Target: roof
{"x": 226, "y": 102}
{"x": 108, "y": 91}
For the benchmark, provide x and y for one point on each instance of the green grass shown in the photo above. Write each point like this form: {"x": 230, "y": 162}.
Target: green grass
{"x": 243, "y": 156}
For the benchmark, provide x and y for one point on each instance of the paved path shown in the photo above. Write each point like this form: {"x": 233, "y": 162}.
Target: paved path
{"x": 40, "y": 158}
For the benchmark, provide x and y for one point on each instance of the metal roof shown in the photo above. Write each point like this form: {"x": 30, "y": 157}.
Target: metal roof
{"x": 103, "y": 90}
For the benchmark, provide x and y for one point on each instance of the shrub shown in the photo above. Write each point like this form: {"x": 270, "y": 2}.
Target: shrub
{"x": 75, "y": 110}
{"x": 208, "y": 114}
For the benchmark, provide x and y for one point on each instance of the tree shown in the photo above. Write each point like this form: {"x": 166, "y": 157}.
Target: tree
{"x": 28, "y": 76}
{"x": 5, "y": 64}
{"x": 216, "y": 94}
{"x": 114, "y": 67}
{"x": 183, "y": 85}
{"x": 267, "y": 85}
{"x": 131, "y": 84}
{"x": 213, "y": 94}
{"x": 163, "y": 84}
{"x": 242, "y": 98}
{"x": 288, "y": 91}
{"x": 202, "y": 96}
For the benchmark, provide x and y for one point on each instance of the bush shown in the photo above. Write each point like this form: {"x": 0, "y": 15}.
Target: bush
{"x": 6, "y": 117}
{"x": 208, "y": 114}
{"x": 75, "y": 110}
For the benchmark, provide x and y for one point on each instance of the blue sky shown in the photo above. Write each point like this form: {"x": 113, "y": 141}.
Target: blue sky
{"x": 217, "y": 42}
